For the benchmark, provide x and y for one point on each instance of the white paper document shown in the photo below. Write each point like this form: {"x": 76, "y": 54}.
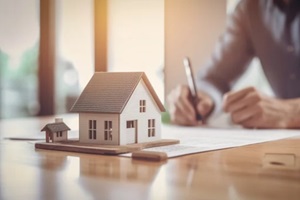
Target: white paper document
{"x": 200, "y": 139}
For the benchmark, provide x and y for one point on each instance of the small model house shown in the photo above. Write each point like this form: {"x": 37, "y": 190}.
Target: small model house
{"x": 56, "y": 132}
{"x": 118, "y": 108}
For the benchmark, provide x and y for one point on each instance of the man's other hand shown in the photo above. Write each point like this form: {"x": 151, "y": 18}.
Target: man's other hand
{"x": 251, "y": 109}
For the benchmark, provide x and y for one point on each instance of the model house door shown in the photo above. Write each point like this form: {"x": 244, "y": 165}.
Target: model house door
{"x": 131, "y": 132}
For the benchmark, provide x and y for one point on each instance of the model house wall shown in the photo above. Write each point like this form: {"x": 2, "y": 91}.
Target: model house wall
{"x": 86, "y": 128}
{"x": 132, "y": 112}
{"x": 59, "y": 136}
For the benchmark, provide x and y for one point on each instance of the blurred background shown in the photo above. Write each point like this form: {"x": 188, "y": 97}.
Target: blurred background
{"x": 49, "y": 49}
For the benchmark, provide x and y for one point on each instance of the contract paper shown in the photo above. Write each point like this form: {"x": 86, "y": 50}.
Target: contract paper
{"x": 201, "y": 139}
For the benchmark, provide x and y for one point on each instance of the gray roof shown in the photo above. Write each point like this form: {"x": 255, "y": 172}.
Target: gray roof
{"x": 109, "y": 92}
{"x": 55, "y": 127}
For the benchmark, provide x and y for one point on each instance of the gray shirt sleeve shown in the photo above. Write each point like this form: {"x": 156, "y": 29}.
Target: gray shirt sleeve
{"x": 232, "y": 54}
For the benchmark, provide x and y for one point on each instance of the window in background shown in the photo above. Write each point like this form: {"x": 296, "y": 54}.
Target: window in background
{"x": 136, "y": 38}
{"x": 75, "y": 50}
{"x": 19, "y": 39}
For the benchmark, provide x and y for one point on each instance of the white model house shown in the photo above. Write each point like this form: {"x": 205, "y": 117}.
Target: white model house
{"x": 119, "y": 108}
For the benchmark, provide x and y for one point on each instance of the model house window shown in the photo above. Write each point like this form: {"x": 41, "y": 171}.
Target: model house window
{"x": 59, "y": 134}
{"x": 107, "y": 130}
{"x": 92, "y": 129}
{"x": 151, "y": 127}
{"x": 142, "y": 106}
{"x": 130, "y": 124}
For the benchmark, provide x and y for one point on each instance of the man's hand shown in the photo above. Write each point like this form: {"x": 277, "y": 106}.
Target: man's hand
{"x": 181, "y": 108}
{"x": 251, "y": 109}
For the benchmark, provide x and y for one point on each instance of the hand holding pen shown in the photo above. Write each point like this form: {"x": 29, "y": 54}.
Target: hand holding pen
{"x": 192, "y": 86}
{"x": 183, "y": 108}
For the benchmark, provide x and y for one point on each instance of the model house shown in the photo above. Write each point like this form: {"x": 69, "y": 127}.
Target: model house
{"x": 56, "y": 132}
{"x": 118, "y": 108}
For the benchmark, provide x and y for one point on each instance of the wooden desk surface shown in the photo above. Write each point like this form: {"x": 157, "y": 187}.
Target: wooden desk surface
{"x": 237, "y": 173}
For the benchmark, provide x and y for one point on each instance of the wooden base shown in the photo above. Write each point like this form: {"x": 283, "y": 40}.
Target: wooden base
{"x": 76, "y": 146}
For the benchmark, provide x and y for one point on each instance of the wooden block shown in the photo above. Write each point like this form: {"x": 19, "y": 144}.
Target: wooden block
{"x": 279, "y": 161}
{"x": 85, "y": 149}
{"x": 76, "y": 146}
{"x": 149, "y": 155}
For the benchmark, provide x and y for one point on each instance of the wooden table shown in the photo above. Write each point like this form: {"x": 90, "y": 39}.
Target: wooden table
{"x": 237, "y": 173}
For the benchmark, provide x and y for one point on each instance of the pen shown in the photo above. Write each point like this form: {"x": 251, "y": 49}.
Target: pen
{"x": 192, "y": 86}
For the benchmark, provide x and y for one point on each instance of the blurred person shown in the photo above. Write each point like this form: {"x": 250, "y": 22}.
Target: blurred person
{"x": 268, "y": 30}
